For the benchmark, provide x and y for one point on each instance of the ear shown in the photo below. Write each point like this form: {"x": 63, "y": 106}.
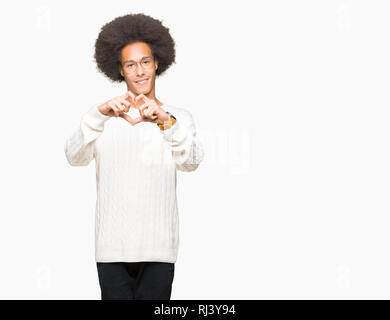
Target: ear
{"x": 121, "y": 71}
{"x": 155, "y": 64}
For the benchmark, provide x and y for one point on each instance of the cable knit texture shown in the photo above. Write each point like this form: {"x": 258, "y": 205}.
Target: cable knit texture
{"x": 136, "y": 205}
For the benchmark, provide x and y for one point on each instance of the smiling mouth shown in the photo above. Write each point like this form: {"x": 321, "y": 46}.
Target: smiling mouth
{"x": 141, "y": 82}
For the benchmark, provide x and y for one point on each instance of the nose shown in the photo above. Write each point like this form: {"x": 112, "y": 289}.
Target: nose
{"x": 140, "y": 70}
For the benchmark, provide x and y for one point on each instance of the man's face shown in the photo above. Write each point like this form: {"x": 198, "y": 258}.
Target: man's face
{"x": 138, "y": 64}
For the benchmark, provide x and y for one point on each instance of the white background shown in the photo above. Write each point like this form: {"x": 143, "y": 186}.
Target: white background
{"x": 291, "y": 101}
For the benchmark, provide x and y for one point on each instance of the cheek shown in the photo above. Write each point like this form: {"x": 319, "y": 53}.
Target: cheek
{"x": 130, "y": 82}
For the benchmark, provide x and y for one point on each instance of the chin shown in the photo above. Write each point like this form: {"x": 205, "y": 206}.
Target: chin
{"x": 145, "y": 91}
{"x": 138, "y": 91}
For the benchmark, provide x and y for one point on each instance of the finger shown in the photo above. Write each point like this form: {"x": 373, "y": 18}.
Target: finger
{"x": 143, "y": 97}
{"x": 126, "y": 103}
{"x": 149, "y": 112}
{"x": 131, "y": 97}
{"x": 129, "y": 119}
{"x": 150, "y": 117}
{"x": 154, "y": 111}
{"x": 137, "y": 120}
{"x": 114, "y": 108}
{"x": 120, "y": 106}
{"x": 128, "y": 94}
{"x": 144, "y": 107}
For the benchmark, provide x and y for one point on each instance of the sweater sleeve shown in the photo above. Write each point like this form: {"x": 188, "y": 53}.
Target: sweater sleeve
{"x": 181, "y": 138}
{"x": 80, "y": 145}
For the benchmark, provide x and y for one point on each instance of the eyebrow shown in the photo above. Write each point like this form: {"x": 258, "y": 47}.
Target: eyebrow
{"x": 134, "y": 60}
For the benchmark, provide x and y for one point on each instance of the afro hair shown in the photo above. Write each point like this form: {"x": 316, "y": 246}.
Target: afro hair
{"x": 125, "y": 30}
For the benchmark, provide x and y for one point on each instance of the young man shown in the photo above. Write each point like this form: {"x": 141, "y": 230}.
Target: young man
{"x": 137, "y": 224}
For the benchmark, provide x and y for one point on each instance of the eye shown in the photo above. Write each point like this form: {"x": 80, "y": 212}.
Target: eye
{"x": 147, "y": 61}
{"x": 130, "y": 65}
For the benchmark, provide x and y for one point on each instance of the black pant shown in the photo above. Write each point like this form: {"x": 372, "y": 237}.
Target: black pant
{"x": 145, "y": 280}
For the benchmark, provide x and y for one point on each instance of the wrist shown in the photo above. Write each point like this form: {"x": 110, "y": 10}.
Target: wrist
{"x": 167, "y": 121}
{"x": 164, "y": 117}
{"x": 100, "y": 108}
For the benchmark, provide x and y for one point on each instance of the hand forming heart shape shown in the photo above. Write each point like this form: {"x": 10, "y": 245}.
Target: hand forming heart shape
{"x": 149, "y": 111}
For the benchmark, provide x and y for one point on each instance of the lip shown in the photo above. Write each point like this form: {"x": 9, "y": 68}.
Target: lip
{"x": 141, "y": 84}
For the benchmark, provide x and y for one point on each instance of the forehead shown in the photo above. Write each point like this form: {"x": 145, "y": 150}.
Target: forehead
{"x": 135, "y": 51}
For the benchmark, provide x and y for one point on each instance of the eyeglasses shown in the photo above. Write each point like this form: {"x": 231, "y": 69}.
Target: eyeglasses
{"x": 131, "y": 66}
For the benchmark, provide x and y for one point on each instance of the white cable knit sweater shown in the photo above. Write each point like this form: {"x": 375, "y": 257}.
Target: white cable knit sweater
{"x": 136, "y": 207}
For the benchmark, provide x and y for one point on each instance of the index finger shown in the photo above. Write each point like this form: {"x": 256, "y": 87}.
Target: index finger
{"x": 128, "y": 94}
{"x": 142, "y": 96}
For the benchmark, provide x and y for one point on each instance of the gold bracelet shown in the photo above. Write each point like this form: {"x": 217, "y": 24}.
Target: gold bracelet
{"x": 167, "y": 124}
